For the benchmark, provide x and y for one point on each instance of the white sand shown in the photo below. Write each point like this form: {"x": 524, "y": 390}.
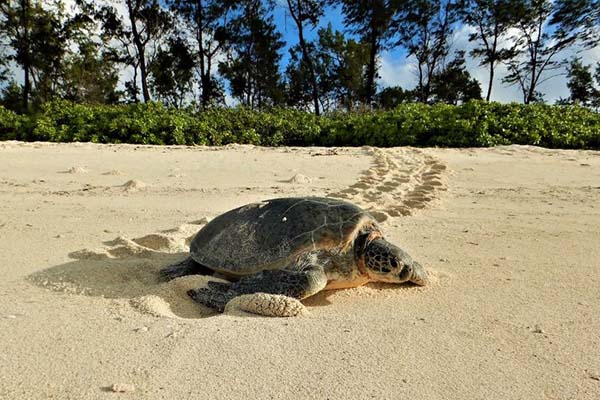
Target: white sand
{"x": 510, "y": 236}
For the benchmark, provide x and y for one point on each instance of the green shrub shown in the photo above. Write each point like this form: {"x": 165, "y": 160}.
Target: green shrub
{"x": 475, "y": 123}
{"x": 9, "y": 124}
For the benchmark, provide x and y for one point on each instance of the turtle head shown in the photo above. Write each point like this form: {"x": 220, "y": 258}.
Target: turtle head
{"x": 385, "y": 262}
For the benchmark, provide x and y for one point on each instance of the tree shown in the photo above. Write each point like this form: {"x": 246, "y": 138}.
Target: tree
{"x": 15, "y": 27}
{"x": 299, "y": 91}
{"x": 491, "y": 20}
{"x": 454, "y": 84}
{"x": 339, "y": 68}
{"x": 536, "y": 48}
{"x": 147, "y": 24}
{"x": 341, "y": 65}
{"x": 3, "y": 65}
{"x": 205, "y": 19}
{"x": 172, "y": 71}
{"x": 370, "y": 20}
{"x": 424, "y": 28}
{"x": 391, "y": 97}
{"x": 91, "y": 76}
{"x": 307, "y": 12}
{"x": 12, "y": 96}
{"x": 39, "y": 37}
{"x": 252, "y": 64}
{"x": 581, "y": 84}
{"x": 581, "y": 16}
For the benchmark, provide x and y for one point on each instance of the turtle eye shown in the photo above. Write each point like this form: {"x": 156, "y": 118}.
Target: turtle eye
{"x": 394, "y": 263}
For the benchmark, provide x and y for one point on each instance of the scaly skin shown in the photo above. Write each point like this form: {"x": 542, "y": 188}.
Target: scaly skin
{"x": 297, "y": 284}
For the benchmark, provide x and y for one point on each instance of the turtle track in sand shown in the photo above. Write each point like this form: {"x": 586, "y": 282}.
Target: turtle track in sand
{"x": 401, "y": 181}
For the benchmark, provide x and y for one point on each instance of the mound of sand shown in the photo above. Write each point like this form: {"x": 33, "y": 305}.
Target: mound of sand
{"x": 170, "y": 299}
{"x": 299, "y": 179}
{"x": 76, "y": 170}
{"x": 134, "y": 185}
{"x": 114, "y": 172}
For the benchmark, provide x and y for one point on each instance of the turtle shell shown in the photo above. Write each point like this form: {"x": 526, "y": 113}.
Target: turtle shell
{"x": 273, "y": 233}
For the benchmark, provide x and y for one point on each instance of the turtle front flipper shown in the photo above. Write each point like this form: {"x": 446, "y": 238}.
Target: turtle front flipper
{"x": 419, "y": 275}
{"x": 183, "y": 268}
{"x": 294, "y": 284}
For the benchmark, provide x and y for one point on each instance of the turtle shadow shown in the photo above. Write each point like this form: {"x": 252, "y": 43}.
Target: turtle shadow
{"x": 132, "y": 273}
{"x": 319, "y": 299}
{"x": 323, "y": 298}
{"x": 126, "y": 276}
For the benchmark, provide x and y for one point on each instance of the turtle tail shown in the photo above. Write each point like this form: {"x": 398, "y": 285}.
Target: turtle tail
{"x": 216, "y": 295}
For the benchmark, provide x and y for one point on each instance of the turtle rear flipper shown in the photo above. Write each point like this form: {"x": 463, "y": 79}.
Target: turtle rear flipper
{"x": 183, "y": 268}
{"x": 291, "y": 283}
{"x": 211, "y": 297}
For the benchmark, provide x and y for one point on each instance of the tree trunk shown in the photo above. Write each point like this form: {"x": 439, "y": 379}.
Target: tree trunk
{"x": 26, "y": 54}
{"x": 305, "y": 55}
{"x": 140, "y": 49}
{"x": 489, "y": 90}
{"x": 135, "y": 87}
{"x": 313, "y": 76}
{"x": 204, "y": 83}
{"x": 371, "y": 68}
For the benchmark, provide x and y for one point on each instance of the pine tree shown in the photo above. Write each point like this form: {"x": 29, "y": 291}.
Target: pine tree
{"x": 581, "y": 84}
{"x": 252, "y": 65}
{"x": 341, "y": 64}
{"x": 90, "y": 76}
{"x": 424, "y": 28}
{"x": 491, "y": 20}
{"x": 205, "y": 19}
{"x": 453, "y": 84}
{"x": 537, "y": 48}
{"x": 580, "y": 16}
{"x": 171, "y": 72}
{"x": 370, "y": 20}
{"x": 147, "y": 23}
{"x": 307, "y": 12}
{"x": 39, "y": 37}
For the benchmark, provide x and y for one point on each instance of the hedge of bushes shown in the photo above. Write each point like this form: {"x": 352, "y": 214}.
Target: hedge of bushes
{"x": 475, "y": 123}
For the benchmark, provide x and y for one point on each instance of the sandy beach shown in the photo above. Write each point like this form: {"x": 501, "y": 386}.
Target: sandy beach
{"x": 510, "y": 237}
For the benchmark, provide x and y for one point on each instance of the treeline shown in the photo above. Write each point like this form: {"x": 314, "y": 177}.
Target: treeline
{"x": 195, "y": 51}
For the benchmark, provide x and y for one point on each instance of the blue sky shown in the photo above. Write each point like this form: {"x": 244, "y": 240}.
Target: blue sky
{"x": 333, "y": 16}
{"x": 287, "y": 27}
{"x": 396, "y": 69}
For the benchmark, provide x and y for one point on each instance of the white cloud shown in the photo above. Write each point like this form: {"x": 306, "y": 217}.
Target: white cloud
{"x": 393, "y": 73}
{"x": 401, "y": 71}
{"x": 500, "y": 91}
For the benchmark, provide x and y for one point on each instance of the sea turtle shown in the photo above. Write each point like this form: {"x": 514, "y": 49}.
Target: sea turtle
{"x": 294, "y": 247}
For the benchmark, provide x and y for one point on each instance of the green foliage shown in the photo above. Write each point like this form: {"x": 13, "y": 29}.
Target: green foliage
{"x": 370, "y": 20}
{"x": 581, "y": 84}
{"x": 172, "y": 71}
{"x": 252, "y": 65}
{"x": 9, "y": 124}
{"x": 453, "y": 83}
{"x": 474, "y": 123}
